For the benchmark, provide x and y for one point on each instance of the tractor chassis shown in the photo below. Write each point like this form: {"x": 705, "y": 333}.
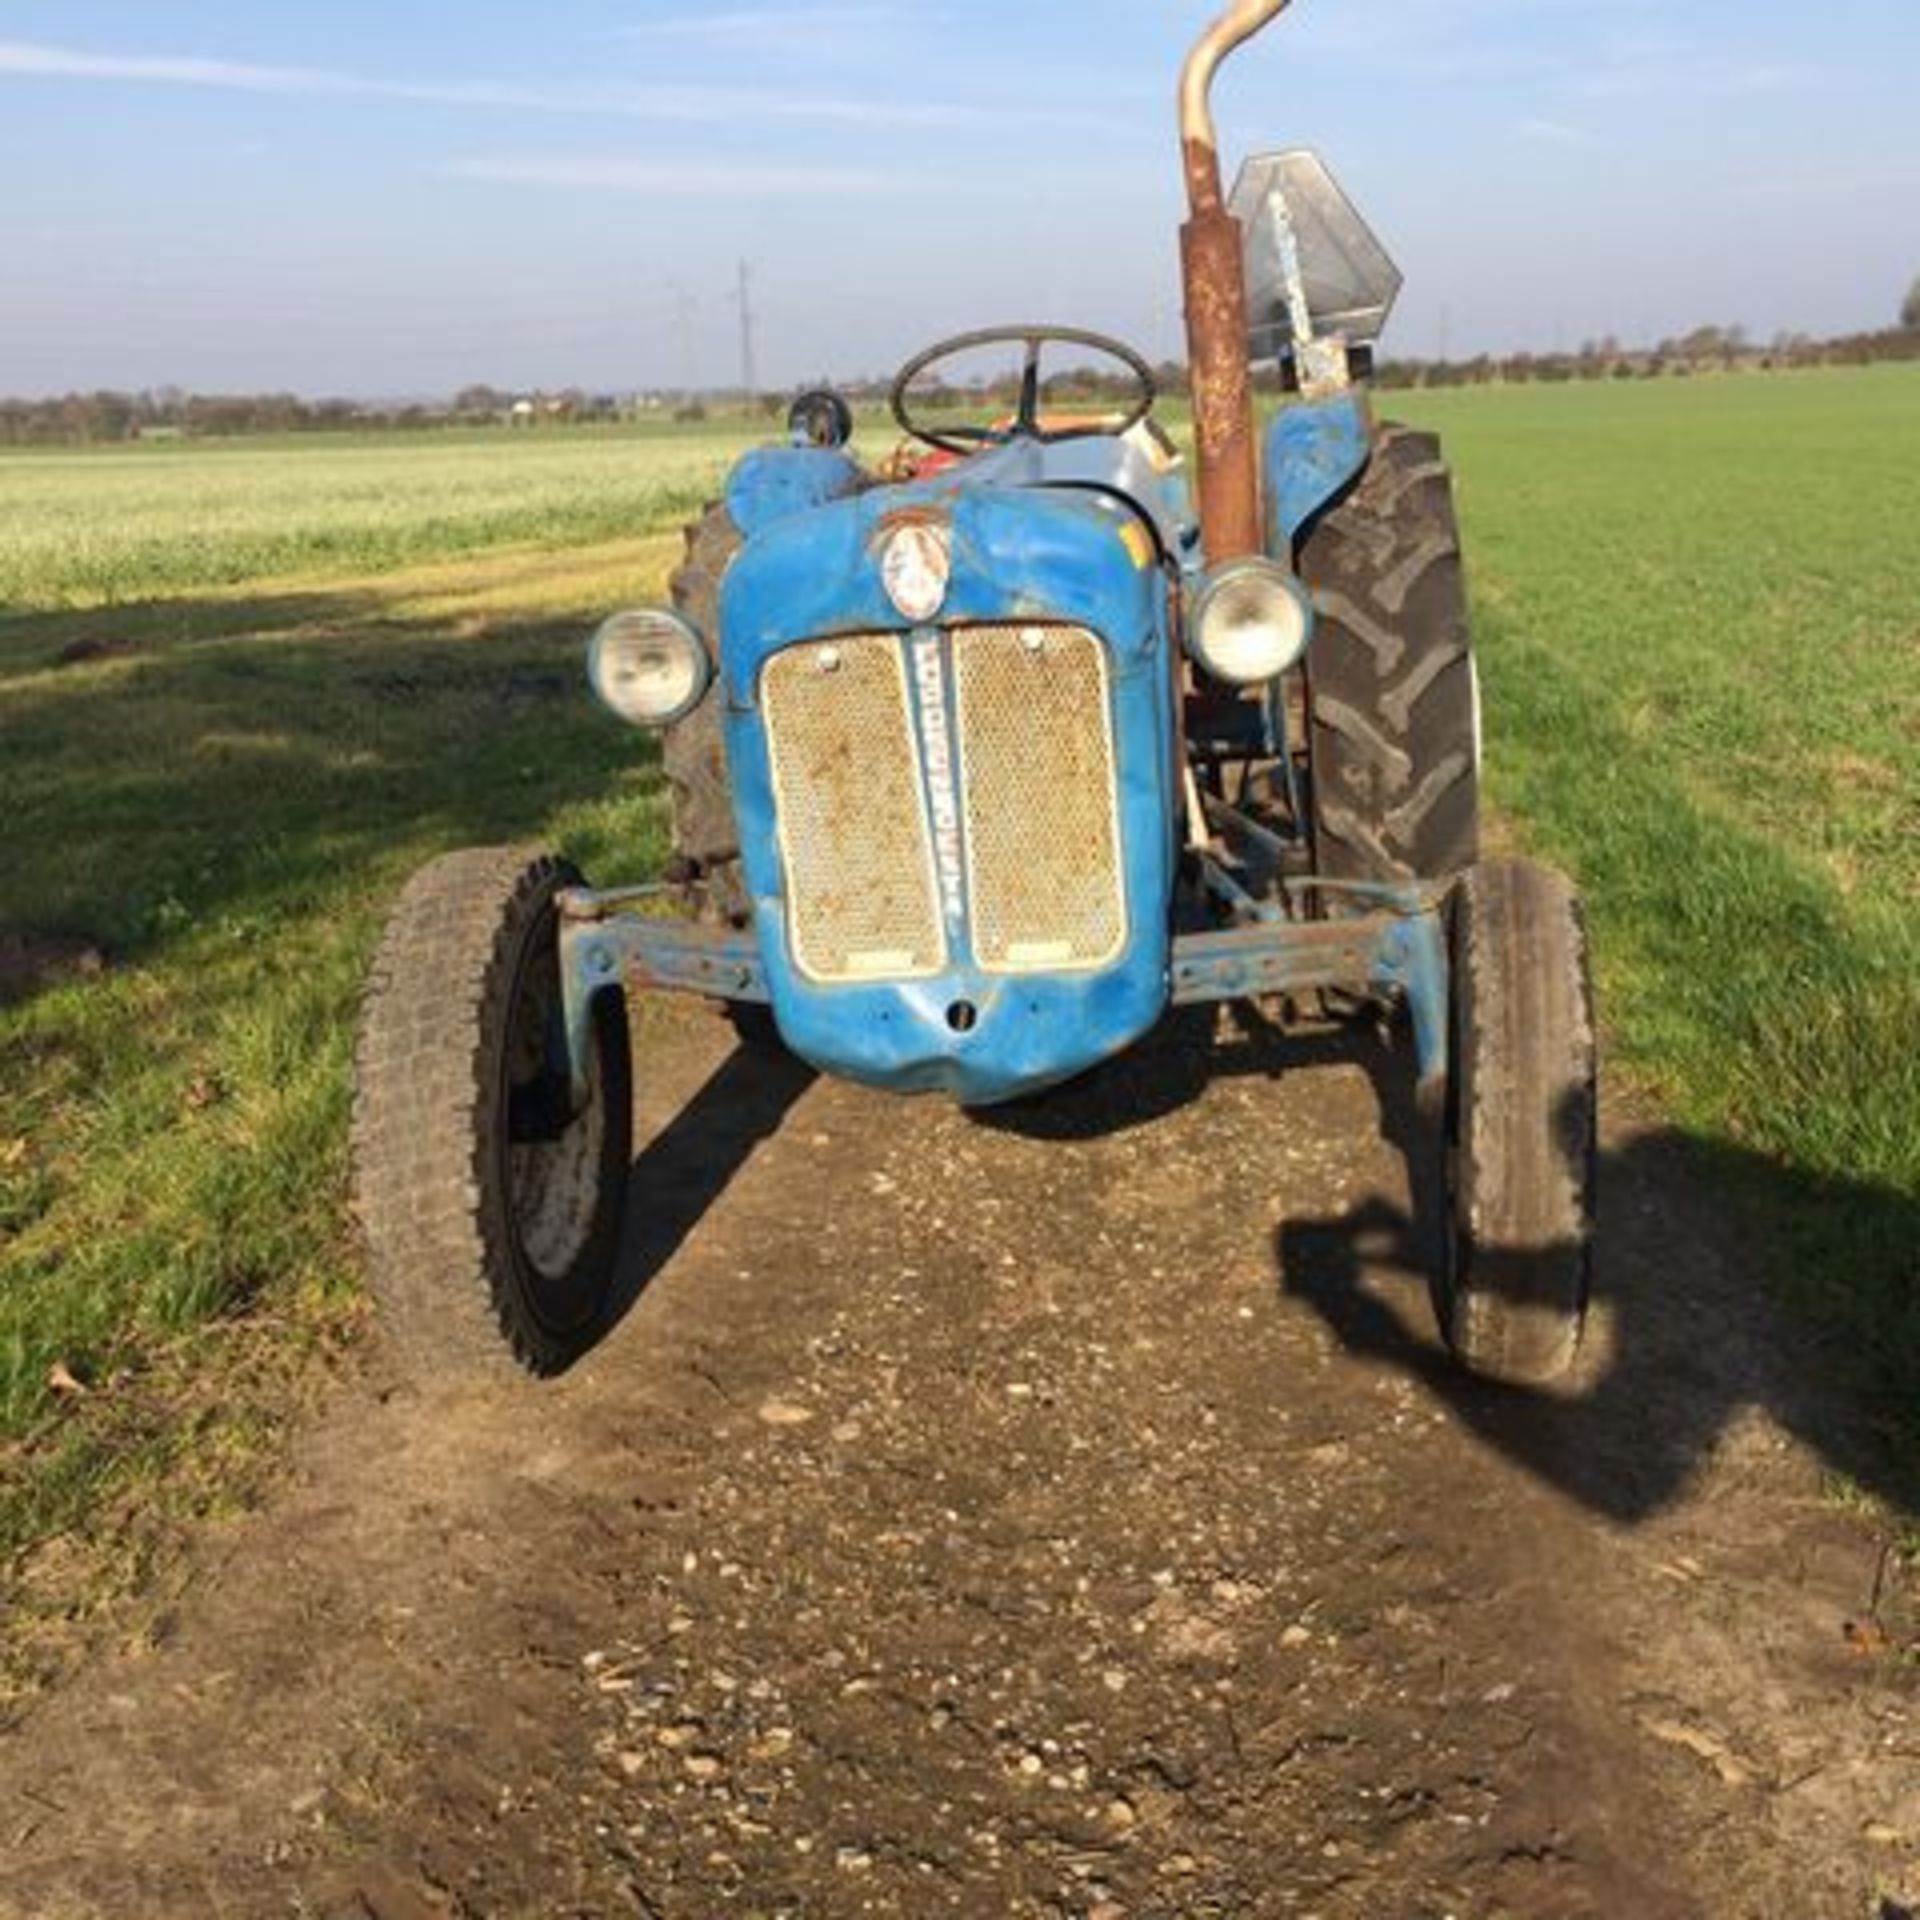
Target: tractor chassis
{"x": 1394, "y": 945}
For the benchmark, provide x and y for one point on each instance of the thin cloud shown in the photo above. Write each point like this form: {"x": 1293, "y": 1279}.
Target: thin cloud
{"x": 614, "y": 174}
{"x": 1706, "y": 78}
{"x": 708, "y": 104}
{"x": 847, "y": 35}
{"x": 1556, "y": 133}
{"x": 749, "y": 23}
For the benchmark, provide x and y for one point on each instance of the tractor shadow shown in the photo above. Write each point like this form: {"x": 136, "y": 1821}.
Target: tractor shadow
{"x": 186, "y": 765}
{"x": 686, "y": 1167}
{"x": 1692, "y": 1324}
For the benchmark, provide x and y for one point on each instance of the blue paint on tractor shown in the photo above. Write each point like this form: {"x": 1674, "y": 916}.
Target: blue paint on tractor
{"x": 1091, "y": 532}
{"x": 1315, "y": 450}
{"x": 1401, "y": 950}
{"x": 773, "y": 482}
{"x": 1020, "y": 553}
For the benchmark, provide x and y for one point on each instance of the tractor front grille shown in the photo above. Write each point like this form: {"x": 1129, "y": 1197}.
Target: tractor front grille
{"x": 861, "y": 893}
{"x": 1043, "y": 830}
{"x": 896, "y": 814}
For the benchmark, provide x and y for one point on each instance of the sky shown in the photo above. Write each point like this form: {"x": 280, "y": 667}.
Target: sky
{"x": 379, "y": 198}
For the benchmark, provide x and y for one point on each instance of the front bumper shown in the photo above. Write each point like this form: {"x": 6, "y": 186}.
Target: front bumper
{"x": 985, "y": 1039}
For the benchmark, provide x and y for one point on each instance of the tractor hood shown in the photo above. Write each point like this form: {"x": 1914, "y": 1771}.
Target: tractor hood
{"x": 1021, "y": 550}
{"x": 775, "y": 483}
{"x": 1057, "y": 556}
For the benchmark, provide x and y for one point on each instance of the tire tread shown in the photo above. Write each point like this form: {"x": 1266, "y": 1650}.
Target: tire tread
{"x": 1524, "y": 1120}
{"x": 426, "y": 1120}
{"x": 1391, "y": 689}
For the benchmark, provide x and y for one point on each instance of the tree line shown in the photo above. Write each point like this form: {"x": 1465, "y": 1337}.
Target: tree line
{"x": 171, "y": 413}
{"x": 1704, "y": 350}
{"x": 104, "y": 418}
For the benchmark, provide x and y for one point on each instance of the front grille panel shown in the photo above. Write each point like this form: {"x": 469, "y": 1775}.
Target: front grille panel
{"x": 852, "y": 816}
{"x": 1039, "y": 800}
{"x": 1035, "y": 768}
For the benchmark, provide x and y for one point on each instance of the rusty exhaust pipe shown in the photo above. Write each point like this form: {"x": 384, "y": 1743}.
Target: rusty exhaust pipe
{"x": 1213, "y": 268}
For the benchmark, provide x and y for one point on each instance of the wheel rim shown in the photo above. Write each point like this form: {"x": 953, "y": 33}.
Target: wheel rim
{"x": 553, "y": 1172}
{"x": 1452, "y": 1119}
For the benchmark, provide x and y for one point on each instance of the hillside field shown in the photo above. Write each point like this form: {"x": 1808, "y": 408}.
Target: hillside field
{"x": 245, "y": 688}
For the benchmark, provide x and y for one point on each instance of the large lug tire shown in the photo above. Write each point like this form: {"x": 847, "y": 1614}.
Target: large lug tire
{"x": 706, "y": 835}
{"x": 489, "y": 1213}
{"x": 1392, "y": 693}
{"x": 1520, "y": 1126}
{"x": 706, "y": 839}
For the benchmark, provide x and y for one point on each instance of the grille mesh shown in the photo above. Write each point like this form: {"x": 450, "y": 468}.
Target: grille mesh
{"x": 1043, "y": 842}
{"x": 853, "y": 823}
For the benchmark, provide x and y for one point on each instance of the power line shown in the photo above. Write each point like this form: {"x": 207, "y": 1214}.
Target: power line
{"x": 748, "y": 381}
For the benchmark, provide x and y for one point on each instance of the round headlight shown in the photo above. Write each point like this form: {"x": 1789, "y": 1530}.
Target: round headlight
{"x": 649, "y": 667}
{"x": 1251, "y": 621}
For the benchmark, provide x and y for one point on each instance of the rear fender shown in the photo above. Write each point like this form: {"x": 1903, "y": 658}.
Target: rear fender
{"x": 773, "y": 482}
{"x": 1316, "y": 450}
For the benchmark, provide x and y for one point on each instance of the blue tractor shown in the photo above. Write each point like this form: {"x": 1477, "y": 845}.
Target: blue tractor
{"x": 983, "y": 767}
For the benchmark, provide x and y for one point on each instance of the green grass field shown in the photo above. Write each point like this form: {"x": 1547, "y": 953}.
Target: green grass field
{"x": 310, "y": 666}
{"x": 101, "y": 526}
{"x": 1699, "y": 616}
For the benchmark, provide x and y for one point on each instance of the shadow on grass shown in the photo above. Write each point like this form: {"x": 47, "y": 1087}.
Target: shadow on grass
{"x": 1689, "y": 1284}
{"x": 229, "y": 758}
{"x": 256, "y": 761}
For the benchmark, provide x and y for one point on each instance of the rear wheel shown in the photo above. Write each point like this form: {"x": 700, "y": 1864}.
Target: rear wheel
{"x": 1392, "y": 694}
{"x": 706, "y": 840}
{"x": 490, "y": 1209}
{"x": 706, "y": 837}
{"x": 1520, "y": 1134}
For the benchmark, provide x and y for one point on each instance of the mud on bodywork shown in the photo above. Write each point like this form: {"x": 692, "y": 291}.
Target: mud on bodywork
{"x": 1056, "y": 559}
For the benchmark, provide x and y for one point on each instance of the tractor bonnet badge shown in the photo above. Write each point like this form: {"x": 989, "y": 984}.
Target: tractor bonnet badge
{"x": 936, "y": 733}
{"x": 915, "y": 567}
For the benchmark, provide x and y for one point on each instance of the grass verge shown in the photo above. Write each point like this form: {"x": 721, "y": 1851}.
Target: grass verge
{"x": 220, "y": 812}
{"x": 1702, "y": 658}
{"x": 1703, "y": 672}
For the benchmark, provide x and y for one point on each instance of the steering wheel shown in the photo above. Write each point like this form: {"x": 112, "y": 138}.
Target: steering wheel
{"x": 1026, "y": 425}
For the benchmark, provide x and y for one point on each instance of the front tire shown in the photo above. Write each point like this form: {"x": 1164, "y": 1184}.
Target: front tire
{"x": 1521, "y": 1126}
{"x": 490, "y": 1212}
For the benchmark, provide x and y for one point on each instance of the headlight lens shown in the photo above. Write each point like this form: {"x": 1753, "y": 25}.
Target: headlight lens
{"x": 649, "y": 667}
{"x": 1251, "y": 621}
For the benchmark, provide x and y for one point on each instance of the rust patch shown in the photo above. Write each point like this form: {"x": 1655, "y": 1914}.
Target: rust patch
{"x": 1222, "y": 385}
{"x": 914, "y": 513}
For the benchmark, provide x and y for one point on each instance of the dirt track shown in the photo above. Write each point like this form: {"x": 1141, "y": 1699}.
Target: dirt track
{"x": 1020, "y": 1519}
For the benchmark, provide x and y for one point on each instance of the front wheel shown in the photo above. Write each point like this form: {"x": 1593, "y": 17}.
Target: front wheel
{"x": 1521, "y": 1126}
{"x": 490, "y": 1209}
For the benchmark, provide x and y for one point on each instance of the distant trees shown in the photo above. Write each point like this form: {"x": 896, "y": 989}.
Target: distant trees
{"x": 87, "y": 419}
{"x": 1704, "y": 349}
{"x": 83, "y": 419}
{"x": 481, "y": 402}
